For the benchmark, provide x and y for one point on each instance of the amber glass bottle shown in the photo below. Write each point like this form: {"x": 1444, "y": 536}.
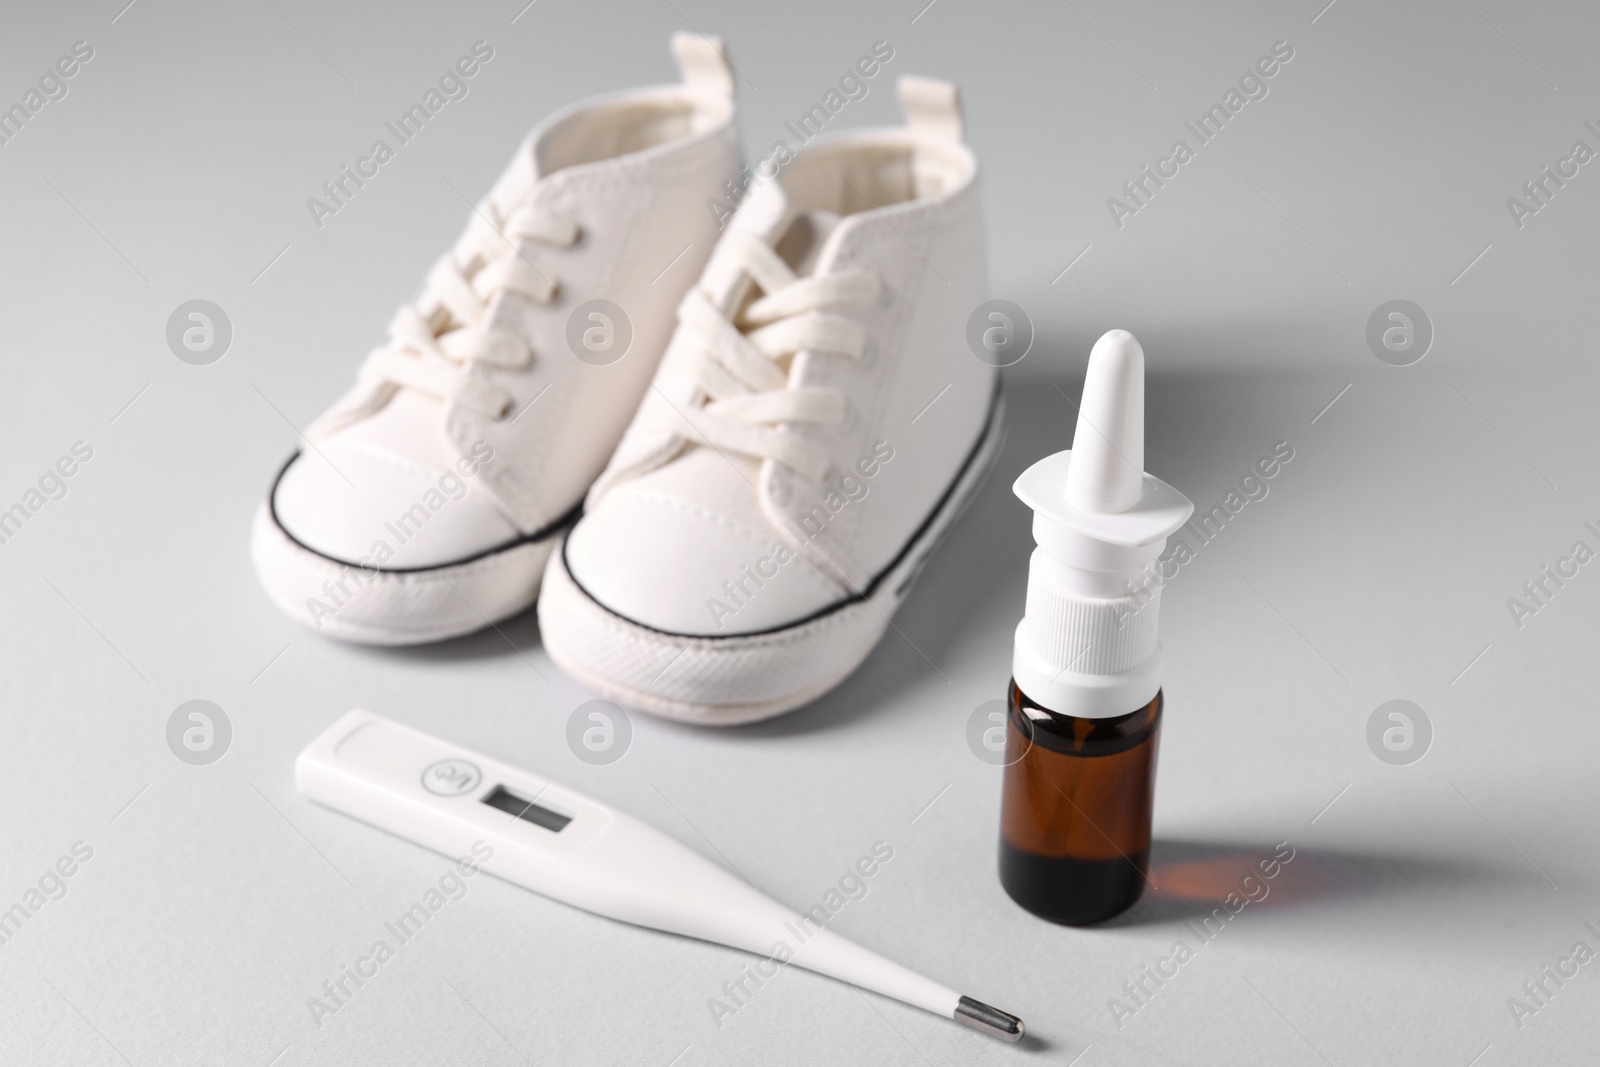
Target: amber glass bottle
{"x": 1075, "y": 809}
{"x": 1086, "y": 699}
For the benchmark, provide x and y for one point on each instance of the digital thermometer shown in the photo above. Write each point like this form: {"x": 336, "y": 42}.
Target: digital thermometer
{"x": 565, "y": 845}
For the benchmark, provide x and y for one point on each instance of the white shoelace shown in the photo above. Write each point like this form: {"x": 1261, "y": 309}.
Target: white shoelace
{"x": 749, "y": 406}
{"x": 437, "y": 345}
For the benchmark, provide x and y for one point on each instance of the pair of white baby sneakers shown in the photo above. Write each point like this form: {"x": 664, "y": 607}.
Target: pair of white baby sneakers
{"x": 726, "y": 440}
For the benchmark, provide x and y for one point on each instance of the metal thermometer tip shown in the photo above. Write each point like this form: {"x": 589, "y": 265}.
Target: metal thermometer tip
{"x": 992, "y": 1021}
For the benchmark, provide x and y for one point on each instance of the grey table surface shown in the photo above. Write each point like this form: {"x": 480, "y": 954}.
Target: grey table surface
{"x": 1380, "y": 566}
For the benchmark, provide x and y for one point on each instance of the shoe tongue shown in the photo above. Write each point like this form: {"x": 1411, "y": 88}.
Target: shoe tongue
{"x": 802, "y": 244}
{"x": 800, "y": 238}
{"x": 765, "y": 215}
{"x": 766, "y": 212}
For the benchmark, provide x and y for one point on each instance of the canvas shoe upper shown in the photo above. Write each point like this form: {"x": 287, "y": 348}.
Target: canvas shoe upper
{"x": 817, "y": 422}
{"x": 429, "y": 496}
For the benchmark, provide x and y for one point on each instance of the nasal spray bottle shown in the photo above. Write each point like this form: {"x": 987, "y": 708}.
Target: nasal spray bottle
{"x": 1086, "y": 702}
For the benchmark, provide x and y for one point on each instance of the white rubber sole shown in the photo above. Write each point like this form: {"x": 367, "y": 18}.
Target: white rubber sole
{"x": 726, "y": 681}
{"x": 395, "y": 607}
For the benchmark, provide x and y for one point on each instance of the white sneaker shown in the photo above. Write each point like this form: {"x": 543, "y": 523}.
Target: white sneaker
{"x": 433, "y": 492}
{"x": 818, "y": 422}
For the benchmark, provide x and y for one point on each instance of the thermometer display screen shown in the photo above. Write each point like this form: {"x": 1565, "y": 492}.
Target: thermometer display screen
{"x": 508, "y": 802}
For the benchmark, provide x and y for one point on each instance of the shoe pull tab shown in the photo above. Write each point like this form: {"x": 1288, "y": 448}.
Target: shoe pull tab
{"x": 932, "y": 107}
{"x": 704, "y": 63}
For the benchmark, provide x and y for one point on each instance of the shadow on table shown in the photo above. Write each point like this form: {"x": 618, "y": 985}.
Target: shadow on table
{"x": 1204, "y": 882}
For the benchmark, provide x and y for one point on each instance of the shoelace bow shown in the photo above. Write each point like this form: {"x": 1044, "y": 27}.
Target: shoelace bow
{"x": 436, "y": 345}
{"x": 749, "y": 406}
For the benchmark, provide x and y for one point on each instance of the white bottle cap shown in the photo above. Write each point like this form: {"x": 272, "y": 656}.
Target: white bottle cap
{"x": 1088, "y": 644}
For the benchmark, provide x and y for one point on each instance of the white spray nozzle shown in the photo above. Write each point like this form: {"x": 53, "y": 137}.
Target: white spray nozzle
{"x": 1094, "y": 505}
{"x": 1088, "y": 644}
{"x": 1107, "y": 471}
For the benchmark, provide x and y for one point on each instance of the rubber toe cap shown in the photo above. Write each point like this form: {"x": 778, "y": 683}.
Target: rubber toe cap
{"x": 673, "y": 566}
{"x": 355, "y": 503}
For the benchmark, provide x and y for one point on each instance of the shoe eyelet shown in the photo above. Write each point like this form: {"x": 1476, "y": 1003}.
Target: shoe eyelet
{"x": 852, "y": 417}
{"x": 869, "y": 354}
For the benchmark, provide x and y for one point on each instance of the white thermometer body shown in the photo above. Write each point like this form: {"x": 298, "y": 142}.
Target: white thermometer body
{"x": 564, "y": 845}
